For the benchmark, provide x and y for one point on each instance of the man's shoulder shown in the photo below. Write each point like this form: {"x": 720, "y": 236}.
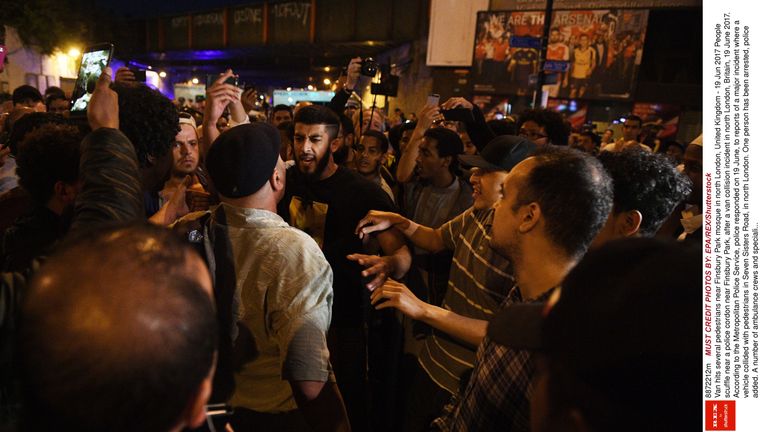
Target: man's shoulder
{"x": 365, "y": 192}
{"x": 295, "y": 238}
{"x": 190, "y": 221}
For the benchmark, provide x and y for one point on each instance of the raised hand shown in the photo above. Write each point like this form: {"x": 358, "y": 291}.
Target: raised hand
{"x": 103, "y": 111}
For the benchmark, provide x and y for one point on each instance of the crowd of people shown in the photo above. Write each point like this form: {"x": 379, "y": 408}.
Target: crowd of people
{"x": 334, "y": 268}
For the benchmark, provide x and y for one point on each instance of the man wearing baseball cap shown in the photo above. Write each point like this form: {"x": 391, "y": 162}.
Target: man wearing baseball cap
{"x": 273, "y": 291}
{"x": 479, "y": 280}
{"x": 617, "y": 348}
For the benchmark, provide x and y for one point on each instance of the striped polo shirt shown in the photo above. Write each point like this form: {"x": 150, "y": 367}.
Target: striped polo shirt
{"x": 479, "y": 281}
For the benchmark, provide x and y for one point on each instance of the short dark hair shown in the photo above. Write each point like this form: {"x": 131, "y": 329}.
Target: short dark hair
{"x": 54, "y": 97}
{"x": 449, "y": 144}
{"x": 634, "y": 118}
{"x": 380, "y": 138}
{"x": 502, "y": 127}
{"x": 575, "y": 194}
{"x": 116, "y": 335}
{"x": 282, "y": 107}
{"x": 54, "y": 91}
{"x": 672, "y": 143}
{"x": 556, "y": 127}
{"x": 646, "y": 182}
{"x": 29, "y": 122}
{"x": 287, "y": 127}
{"x": 26, "y": 92}
{"x": 48, "y": 154}
{"x": 396, "y": 133}
{"x": 148, "y": 119}
{"x": 595, "y": 138}
{"x": 319, "y": 115}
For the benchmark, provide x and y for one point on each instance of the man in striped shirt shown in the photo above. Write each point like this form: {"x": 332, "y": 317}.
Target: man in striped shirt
{"x": 479, "y": 281}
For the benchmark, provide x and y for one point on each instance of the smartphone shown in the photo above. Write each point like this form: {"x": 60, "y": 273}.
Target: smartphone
{"x": 458, "y": 114}
{"x": 433, "y": 99}
{"x": 95, "y": 59}
{"x": 140, "y": 75}
{"x": 211, "y": 78}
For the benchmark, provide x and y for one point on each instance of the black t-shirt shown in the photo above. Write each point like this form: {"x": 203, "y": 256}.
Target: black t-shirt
{"x": 329, "y": 210}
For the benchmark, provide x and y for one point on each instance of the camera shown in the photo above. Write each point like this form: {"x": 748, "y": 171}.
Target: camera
{"x": 369, "y": 67}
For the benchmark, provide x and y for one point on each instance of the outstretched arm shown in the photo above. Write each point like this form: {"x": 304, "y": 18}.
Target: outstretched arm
{"x": 394, "y": 263}
{"x": 424, "y": 237}
{"x": 396, "y": 295}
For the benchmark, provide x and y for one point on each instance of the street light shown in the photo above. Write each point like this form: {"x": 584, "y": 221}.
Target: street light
{"x": 327, "y": 81}
{"x": 195, "y": 81}
{"x": 74, "y": 52}
{"x": 163, "y": 74}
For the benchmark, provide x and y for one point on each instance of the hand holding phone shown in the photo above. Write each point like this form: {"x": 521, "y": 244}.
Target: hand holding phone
{"x": 103, "y": 110}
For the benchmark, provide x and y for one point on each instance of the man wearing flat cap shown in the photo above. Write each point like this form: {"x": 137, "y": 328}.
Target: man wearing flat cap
{"x": 273, "y": 289}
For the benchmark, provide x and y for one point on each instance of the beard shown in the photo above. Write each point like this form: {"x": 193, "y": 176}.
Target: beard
{"x": 322, "y": 163}
{"x": 510, "y": 250}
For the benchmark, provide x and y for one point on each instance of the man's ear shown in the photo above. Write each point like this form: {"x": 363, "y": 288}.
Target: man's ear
{"x": 446, "y": 161}
{"x": 65, "y": 192}
{"x": 276, "y": 181}
{"x": 531, "y": 216}
{"x": 335, "y": 144}
{"x": 194, "y": 413}
{"x": 629, "y": 222}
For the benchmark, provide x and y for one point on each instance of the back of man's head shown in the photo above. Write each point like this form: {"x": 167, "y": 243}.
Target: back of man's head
{"x": 26, "y": 94}
{"x": 575, "y": 194}
{"x": 319, "y": 115}
{"x": 48, "y": 154}
{"x": 148, "y": 119}
{"x": 646, "y": 182}
{"x": 118, "y": 334}
{"x": 27, "y": 123}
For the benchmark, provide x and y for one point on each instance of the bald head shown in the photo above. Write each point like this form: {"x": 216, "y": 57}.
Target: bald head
{"x": 119, "y": 332}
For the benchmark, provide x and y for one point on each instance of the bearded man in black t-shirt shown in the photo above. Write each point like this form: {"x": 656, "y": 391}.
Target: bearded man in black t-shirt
{"x": 326, "y": 201}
